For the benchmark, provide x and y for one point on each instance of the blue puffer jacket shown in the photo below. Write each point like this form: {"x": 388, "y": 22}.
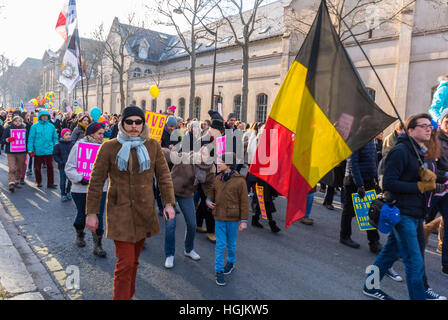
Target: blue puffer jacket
{"x": 439, "y": 101}
{"x": 362, "y": 165}
{"x": 43, "y": 136}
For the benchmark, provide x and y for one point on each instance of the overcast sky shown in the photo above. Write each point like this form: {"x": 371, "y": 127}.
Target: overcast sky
{"x": 27, "y": 27}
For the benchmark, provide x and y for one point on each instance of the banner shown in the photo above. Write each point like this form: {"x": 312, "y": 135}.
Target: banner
{"x": 220, "y": 145}
{"x": 156, "y": 123}
{"x": 362, "y": 207}
{"x": 260, "y": 197}
{"x": 29, "y": 107}
{"x": 18, "y": 145}
{"x": 85, "y": 158}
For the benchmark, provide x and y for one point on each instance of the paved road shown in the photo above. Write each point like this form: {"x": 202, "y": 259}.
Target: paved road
{"x": 302, "y": 262}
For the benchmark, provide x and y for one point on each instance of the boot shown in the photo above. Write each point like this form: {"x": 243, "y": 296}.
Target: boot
{"x": 80, "y": 238}
{"x": 97, "y": 249}
{"x": 274, "y": 227}
{"x": 256, "y": 223}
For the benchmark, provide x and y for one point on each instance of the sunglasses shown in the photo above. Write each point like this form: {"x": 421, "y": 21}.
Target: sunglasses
{"x": 131, "y": 122}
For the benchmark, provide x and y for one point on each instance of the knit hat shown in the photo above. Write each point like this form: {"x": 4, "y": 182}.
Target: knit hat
{"x": 94, "y": 127}
{"x": 64, "y": 131}
{"x": 171, "y": 121}
{"x": 217, "y": 120}
{"x": 172, "y": 108}
{"x": 132, "y": 110}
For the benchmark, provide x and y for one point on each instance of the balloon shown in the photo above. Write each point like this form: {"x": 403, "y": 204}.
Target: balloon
{"x": 101, "y": 119}
{"x": 95, "y": 114}
{"x": 154, "y": 91}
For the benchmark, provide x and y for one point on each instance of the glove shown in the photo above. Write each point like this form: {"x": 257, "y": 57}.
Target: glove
{"x": 441, "y": 187}
{"x": 361, "y": 192}
{"x": 32, "y": 154}
{"x": 84, "y": 182}
{"x": 427, "y": 175}
{"x": 425, "y": 186}
{"x": 11, "y": 139}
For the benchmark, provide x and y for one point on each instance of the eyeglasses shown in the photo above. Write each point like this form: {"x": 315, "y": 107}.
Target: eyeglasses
{"x": 131, "y": 122}
{"x": 425, "y": 126}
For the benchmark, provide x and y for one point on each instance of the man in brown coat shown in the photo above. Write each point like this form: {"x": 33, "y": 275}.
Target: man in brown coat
{"x": 130, "y": 162}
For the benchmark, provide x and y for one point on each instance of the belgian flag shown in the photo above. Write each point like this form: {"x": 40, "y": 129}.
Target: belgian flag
{"x": 321, "y": 115}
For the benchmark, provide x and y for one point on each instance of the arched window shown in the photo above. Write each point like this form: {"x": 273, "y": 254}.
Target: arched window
{"x": 372, "y": 93}
{"x": 137, "y": 72}
{"x": 148, "y": 72}
{"x": 143, "y": 105}
{"x": 154, "y": 105}
{"x": 197, "y": 108}
{"x": 237, "y": 106}
{"x": 262, "y": 107}
{"x": 168, "y": 103}
{"x": 182, "y": 108}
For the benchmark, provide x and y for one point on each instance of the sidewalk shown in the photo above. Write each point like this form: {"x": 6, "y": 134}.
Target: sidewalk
{"x": 16, "y": 282}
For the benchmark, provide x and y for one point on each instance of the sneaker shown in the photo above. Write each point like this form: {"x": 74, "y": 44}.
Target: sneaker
{"x": 64, "y": 198}
{"x": 431, "y": 295}
{"x": 393, "y": 275}
{"x": 211, "y": 237}
{"x": 307, "y": 221}
{"x": 69, "y": 196}
{"x": 350, "y": 243}
{"x": 220, "y": 279}
{"x": 169, "y": 262}
{"x": 193, "y": 255}
{"x": 228, "y": 268}
{"x": 377, "y": 294}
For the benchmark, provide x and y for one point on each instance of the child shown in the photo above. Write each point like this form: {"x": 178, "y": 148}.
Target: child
{"x": 229, "y": 201}
{"x": 60, "y": 154}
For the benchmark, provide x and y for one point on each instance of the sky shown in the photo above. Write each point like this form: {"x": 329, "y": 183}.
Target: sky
{"x": 27, "y": 27}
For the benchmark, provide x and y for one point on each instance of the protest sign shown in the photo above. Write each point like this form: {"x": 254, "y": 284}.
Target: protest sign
{"x": 156, "y": 123}
{"x": 260, "y": 197}
{"x": 18, "y": 145}
{"x": 85, "y": 158}
{"x": 220, "y": 145}
{"x": 362, "y": 207}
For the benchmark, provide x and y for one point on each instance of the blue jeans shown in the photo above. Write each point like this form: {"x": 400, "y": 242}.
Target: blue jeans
{"x": 403, "y": 241}
{"x": 64, "y": 183}
{"x": 80, "y": 201}
{"x": 226, "y": 233}
{"x": 189, "y": 212}
{"x": 309, "y": 204}
{"x": 442, "y": 204}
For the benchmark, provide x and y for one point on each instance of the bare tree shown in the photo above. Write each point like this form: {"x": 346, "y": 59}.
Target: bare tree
{"x": 195, "y": 13}
{"x": 6, "y": 77}
{"x": 244, "y": 21}
{"x": 93, "y": 55}
{"x": 116, "y": 51}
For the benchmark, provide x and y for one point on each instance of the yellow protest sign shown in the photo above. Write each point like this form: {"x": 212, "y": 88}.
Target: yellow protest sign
{"x": 156, "y": 123}
{"x": 78, "y": 111}
{"x": 260, "y": 197}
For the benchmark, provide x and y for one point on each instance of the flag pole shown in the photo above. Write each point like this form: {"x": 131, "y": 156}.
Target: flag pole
{"x": 384, "y": 88}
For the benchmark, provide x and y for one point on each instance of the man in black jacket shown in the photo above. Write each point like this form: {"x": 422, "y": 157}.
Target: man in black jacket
{"x": 406, "y": 183}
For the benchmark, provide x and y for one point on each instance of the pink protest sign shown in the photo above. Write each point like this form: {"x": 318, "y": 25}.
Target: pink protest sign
{"x": 86, "y": 158}
{"x": 18, "y": 145}
{"x": 220, "y": 145}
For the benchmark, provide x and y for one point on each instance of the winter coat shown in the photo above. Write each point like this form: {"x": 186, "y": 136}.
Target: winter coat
{"x": 442, "y": 162}
{"x": 61, "y": 152}
{"x": 130, "y": 213}
{"x": 231, "y": 198}
{"x": 401, "y": 175}
{"x": 42, "y": 137}
{"x": 7, "y": 134}
{"x": 77, "y": 134}
{"x": 362, "y": 165}
{"x": 114, "y": 133}
{"x": 389, "y": 143}
{"x": 439, "y": 101}
{"x": 166, "y": 139}
{"x": 72, "y": 172}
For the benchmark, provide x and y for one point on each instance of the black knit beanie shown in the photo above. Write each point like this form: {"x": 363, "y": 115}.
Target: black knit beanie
{"x": 217, "y": 120}
{"x": 132, "y": 110}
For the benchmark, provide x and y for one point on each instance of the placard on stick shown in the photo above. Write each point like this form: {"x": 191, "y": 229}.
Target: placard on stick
{"x": 362, "y": 207}
{"x": 19, "y": 144}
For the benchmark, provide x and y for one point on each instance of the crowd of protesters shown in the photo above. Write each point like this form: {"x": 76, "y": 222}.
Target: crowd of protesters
{"x": 133, "y": 173}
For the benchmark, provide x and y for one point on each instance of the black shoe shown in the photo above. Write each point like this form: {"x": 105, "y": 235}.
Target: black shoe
{"x": 228, "y": 268}
{"x": 22, "y": 181}
{"x": 377, "y": 294}
{"x": 274, "y": 227}
{"x": 329, "y": 206}
{"x": 220, "y": 279}
{"x": 256, "y": 223}
{"x": 39, "y": 185}
{"x": 52, "y": 186}
{"x": 350, "y": 243}
{"x": 375, "y": 247}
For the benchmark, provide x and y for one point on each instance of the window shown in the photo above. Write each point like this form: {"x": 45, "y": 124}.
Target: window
{"x": 197, "y": 108}
{"x": 372, "y": 93}
{"x": 154, "y": 105}
{"x": 182, "y": 108}
{"x": 148, "y": 72}
{"x": 143, "y": 53}
{"x": 137, "y": 72}
{"x": 168, "y": 103}
{"x": 237, "y": 106}
{"x": 262, "y": 107}
{"x": 143, "y": 105}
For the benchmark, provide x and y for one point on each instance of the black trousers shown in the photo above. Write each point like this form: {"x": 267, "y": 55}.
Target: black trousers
{"x": 349, "y": 212}
{"x": 204, "y": 213}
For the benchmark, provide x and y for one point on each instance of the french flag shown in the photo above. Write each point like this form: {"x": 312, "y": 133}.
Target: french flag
{"x": 67, "y": 20}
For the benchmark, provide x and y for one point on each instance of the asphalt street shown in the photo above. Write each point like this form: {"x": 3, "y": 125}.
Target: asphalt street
{"x": 301, "y": 262}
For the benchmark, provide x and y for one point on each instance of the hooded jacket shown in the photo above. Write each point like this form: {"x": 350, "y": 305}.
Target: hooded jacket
{"x": 43, "y": 136}
{"x": 439, "y": 101}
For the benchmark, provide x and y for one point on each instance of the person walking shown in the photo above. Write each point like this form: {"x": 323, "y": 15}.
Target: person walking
{"x": 41, "y": 142}
{"x": 61, "y": 152}
{"x": 15, "y": 159}
{"x": 130, "y": 162}
{"x": 79, "y": 132}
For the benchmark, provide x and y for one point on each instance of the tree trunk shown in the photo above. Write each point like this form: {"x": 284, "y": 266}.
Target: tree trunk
{"x": 122, "y": 93}
{"x": 245, "y": 84}
{"x": 87, "y": 95}
{"x": 192, "y": 84}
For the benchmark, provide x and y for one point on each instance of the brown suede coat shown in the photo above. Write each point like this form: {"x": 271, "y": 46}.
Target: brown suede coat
{"x": 231, "y": 198}
{"x": 130, "y": 212}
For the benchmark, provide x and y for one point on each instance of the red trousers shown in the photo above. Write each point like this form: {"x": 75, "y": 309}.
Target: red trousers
{"x": 126, "y": 268}
{"x": 38, "y": 161}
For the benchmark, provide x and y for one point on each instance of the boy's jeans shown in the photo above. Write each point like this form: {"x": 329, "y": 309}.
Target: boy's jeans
{"x": 226, "y": 233}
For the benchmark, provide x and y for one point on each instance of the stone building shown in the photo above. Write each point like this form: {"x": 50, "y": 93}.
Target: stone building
{"x": 409, "y": 53}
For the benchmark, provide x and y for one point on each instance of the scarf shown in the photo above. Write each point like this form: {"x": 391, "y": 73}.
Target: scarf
{"x": 226, "y": 176}
{"x": 129, "y": 143}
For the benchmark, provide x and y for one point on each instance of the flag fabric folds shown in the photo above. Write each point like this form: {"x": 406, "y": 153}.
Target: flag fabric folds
{"x": 67, "y": 20}
{"x": 71, "y": 68}
{"x": 321, "y": 115}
